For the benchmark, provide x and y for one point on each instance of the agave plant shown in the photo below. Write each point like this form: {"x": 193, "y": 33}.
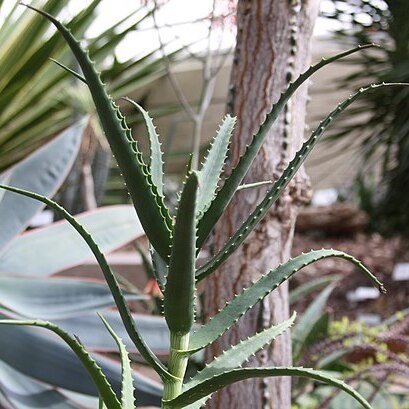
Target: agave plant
{"x": 33, "y": 112}
{"x": 176, "y": 242}
{"x": 38, "y": 99}
{"x": 30, "y": 288}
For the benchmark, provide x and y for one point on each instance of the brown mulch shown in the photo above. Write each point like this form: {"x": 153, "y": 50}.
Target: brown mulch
{"x": 379, "y": 254}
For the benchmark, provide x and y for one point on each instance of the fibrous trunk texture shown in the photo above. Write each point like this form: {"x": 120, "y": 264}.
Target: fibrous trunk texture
{"x": 273, "y": 47}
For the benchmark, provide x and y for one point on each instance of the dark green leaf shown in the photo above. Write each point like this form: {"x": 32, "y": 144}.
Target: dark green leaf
{"x": 219, "y": 381}
{"x": 225, "y": 194}
{"x": 242, "y": 302}
{"x": 273, "y": 194}
{"x": 179, "y": 302}
{"x": 127, "y": 388}
{"x": 149, "y": 205}
{"x": 238, "y": 354}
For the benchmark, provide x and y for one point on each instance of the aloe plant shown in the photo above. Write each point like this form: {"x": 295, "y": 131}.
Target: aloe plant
{"x": 176, "y": 241}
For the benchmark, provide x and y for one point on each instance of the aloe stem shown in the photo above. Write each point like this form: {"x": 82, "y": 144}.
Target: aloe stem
{"x": 177, "y": 365}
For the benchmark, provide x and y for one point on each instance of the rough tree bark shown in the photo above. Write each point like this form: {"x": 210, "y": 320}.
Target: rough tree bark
{"x": 273, "y": 47}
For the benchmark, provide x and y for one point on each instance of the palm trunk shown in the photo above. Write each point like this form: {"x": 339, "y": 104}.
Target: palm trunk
{"x": 273, "y": 47}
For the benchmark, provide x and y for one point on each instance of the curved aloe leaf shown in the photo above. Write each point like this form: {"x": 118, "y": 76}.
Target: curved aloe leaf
{"x": 179, "y": 302}
{"x": 156, "y": 162}
{"x": 272, "y": 195}
{"x": 127, "y": 391}
{"x": 242, "y": 302}
{"x": 123, "y": 309}
{"x": 47, "y": 168}
{"x": 209, "y": 386}
{"x": 100, "y": 380}
{"x": 209, "y": 174}
{"x": 225, "y": 194}
{"x": 48, "y": 298}
{"x": 111, "y": 227}
{"x": 148, "y": 203}
{"x": 53, "y": 362}
{"x": 235, "y": 356}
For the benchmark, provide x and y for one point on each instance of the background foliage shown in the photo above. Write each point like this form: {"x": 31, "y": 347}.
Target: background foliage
{"x": 380, "y": 121}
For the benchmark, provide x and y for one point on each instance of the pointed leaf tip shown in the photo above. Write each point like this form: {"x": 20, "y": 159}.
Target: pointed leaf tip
{"x": 179, "y": 300}
{"x": 210, "y": 173}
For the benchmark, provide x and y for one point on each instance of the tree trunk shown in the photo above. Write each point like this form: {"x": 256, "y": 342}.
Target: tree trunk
{"x": 273, "y": 47}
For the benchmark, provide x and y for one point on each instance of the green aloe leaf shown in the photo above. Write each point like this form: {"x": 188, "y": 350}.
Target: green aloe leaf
{"x": 242, "y": 302}
{"x": 52, "y": 298}
{"x": 123, "y": 309}
{"x": 127, "y": 391}
{"x": 225, "y": 194}
{"x": 29, "y": 255}
{"x": 149, "y": 205}
{"x": 235, "y": 356}
{"x": 179, "y": 302}
{"x": 47, "y": 168}
{"x": 209, "y": 386}
{"x": 101, "y": 383}
{"x": 272, "y": 195}
{"x": 209, "y": 174}
{"x": 156, "y": 162}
